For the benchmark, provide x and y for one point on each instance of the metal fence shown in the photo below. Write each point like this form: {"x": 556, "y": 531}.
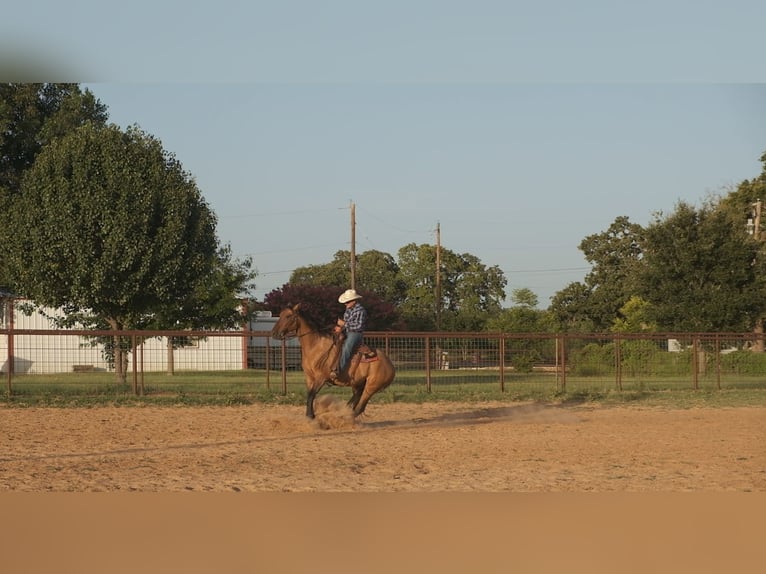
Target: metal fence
{"x": 432, "y": 361}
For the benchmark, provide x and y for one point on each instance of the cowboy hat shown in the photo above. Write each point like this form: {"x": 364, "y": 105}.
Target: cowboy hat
{"x": 349, "y": 295}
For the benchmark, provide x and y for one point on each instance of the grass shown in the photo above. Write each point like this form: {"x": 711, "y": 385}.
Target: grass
{"x": 248, "y": 387}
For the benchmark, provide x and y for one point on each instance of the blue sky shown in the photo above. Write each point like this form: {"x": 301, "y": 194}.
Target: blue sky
{"x": 518, "y": 128}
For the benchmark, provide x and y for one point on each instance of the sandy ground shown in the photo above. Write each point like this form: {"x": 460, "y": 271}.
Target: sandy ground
{"x": 445, "y": 447}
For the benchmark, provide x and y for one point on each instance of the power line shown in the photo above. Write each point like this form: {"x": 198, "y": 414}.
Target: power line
{"x": 386, "y": 223}
{"x": 308, "y": 248}
{"x": 561, "y": 270}
{"x": 274, "y": 213}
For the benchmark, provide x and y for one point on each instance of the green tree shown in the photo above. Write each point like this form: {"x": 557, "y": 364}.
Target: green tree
{"x": 701, "y": 271}
{"x": 570, "y": 309}
{"x": 522, "y": 317}
{"x": 525, "y": 297}
{"x": 336, "y": 273}
{"x": 32, "y": 115}
{"x": 746, "y": 208}
{"x": 470, "y": 291}
{"x": 319, "y": 303}
{"x": 616, "y": 259}
{"x": 109, "y": 226}
{"x": 376, "y": 272}
{"x": 741, "y": 203}
{"x": 634, "y": 317}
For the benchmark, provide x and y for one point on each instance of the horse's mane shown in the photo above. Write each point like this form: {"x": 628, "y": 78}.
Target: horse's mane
{"x": 312, "y": 324}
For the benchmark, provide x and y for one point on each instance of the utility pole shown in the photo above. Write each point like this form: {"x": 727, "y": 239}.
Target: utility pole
{"x": 353, "y": 246}
{"x": 438, "y": 290}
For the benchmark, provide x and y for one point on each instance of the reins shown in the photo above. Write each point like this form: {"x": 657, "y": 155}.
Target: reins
{"x": 312, "y": 331}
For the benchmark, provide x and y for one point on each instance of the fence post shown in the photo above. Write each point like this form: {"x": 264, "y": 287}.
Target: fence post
{"x": 563, "y": 351}
{"x": 428, "y": 363}
{"x": 502, "y": 364}
{"x": 618, "y": 361}
{"x": 695, "y": 363}
{"x": 135, "y": 360}
{"x": 143, "y": 388}
{"x": 718, "y": 360}
{"x": 284, "y": 366}
{"x": 9, "y": 362}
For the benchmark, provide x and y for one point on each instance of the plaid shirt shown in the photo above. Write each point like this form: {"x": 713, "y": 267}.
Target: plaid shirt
{"x": 355, "y": 318}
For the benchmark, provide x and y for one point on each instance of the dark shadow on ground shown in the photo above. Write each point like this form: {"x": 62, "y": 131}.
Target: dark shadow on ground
{"x": 527, "y": 413}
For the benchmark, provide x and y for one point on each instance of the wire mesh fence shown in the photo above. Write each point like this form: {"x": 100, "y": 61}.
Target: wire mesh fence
{"x": 176, "y": 362}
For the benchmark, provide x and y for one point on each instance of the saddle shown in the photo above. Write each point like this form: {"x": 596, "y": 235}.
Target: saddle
{"x": 363, "y": 354}
{"x": 366, "y": 354}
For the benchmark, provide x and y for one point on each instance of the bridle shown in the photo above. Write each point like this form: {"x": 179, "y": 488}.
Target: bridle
{"x": 294, "y": 324}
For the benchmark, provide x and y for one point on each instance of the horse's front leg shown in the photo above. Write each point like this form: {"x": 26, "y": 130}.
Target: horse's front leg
{"x": 310, "y": 395}
{"x": 312, "y": 389}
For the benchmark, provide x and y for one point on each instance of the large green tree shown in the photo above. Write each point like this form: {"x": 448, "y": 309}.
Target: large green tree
{"x": 702, "y": 271}
{"x": 616, "y": 259}
{"x": 109, "y": 226}
{"x": 522, "y": 317}
{"x": 320, "y": 304}
{"x": 470, "y": 291}
{"x": 31, "y": 116}
{"x": 376, "y": 272}
{"x": 747, "y": 209}
{"x": 465, "y": 296}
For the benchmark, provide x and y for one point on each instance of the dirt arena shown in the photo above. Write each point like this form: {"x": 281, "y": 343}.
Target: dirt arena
{"x": 440, "y": 447}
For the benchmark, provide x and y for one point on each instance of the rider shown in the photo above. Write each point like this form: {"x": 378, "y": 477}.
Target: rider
{"x": 352, "y": 324}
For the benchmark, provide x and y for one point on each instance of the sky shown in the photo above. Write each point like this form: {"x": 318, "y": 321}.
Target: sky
{"x": 516, "y": 128}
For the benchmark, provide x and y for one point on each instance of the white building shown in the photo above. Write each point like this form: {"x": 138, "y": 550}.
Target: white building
{"x": 50, "y": 352}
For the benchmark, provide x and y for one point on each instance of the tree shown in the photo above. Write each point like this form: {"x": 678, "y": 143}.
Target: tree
{"x": 702, "y": 272}
{"x": 634, "y": 317}
{"x": 741, "y": 202}
{"x": 522, "y": 317}
{"x": 333, "y": 274}
{"x": 746, "y": 208}
{"x": 319, "y": 303}
{"x": 109, "y": 226}
{"x": 470, "y": 291}
{"x": 570, "y": 309}
{"x": 376, "y": 272}
{"x": 31, "y": 116}
{"x": 525, "y": 297}
{"x": 616, "y": 259}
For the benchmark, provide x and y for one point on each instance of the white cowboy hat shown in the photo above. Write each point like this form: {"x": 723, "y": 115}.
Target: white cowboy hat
{"x": 349, "y": 295}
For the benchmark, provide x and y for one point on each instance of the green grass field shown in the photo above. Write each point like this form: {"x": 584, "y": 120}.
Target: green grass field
{"x": 254, "y": 386}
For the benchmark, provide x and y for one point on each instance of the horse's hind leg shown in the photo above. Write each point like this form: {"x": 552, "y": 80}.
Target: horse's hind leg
{"x": 361, "y": 399}
{"x": 354, "y": 400}
{"x": 361, "y": 403}
{"x": 310, "y": 396}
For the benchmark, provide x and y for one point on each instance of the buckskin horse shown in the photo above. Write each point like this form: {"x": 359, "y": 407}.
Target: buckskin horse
{"x": 368, "y": 374}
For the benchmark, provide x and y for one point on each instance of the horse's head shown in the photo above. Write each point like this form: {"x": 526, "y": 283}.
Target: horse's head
{"x": 288, "y": 323}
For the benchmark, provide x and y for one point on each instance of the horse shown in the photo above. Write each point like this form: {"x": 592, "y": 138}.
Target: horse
{"x": 319, "y": 353}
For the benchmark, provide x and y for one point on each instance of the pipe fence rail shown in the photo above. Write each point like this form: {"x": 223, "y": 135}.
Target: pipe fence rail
{"x": 168, "y": 361}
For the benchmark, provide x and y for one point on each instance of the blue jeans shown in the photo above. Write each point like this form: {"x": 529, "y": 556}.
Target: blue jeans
{"x": 350, "y": 344}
